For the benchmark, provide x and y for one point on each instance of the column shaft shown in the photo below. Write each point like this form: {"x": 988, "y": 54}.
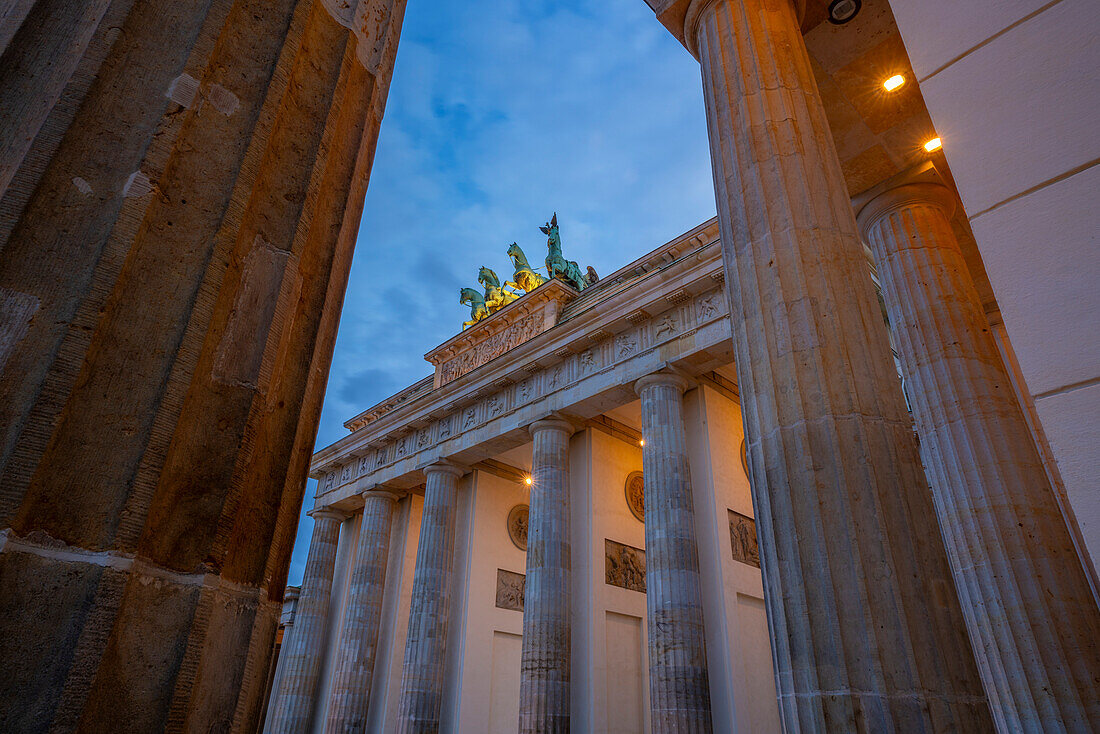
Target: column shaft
{"x": 426, "y": 645}
{"x": 544, "y": 666}
{"x": 359, "y": 639}
{"x": 186, "y": 181}
{"x": 679, "y": 688}
{"x": 1030, "y": 611}
{"x": 866, "y": 628}
{"x": 293, "y": 707}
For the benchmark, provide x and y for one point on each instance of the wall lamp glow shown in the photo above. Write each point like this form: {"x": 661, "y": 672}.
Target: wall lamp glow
{"x": 528, "y": 481}
{"x": 933, "y": 145}
{"x": 893, "y": 82}
{"x": 641, "y": 442}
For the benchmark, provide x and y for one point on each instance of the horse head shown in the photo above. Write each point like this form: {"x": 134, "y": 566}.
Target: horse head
{"x": 469, "y": 296}
{"x": 488, "y": 278}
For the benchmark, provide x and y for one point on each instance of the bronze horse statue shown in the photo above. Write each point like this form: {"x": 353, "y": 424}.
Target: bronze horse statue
{"x": 556, "y": 265}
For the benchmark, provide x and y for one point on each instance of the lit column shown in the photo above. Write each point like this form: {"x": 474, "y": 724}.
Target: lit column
{"x": 866, "y": 627}
{"x": 359, "y": 639}
{"x": 679, "y": 690}
{"x": 293, "y": 708}
{"x": 1032, "y": 618}
{"x": 426, "y": 646}
{"x": 544, "y": 666}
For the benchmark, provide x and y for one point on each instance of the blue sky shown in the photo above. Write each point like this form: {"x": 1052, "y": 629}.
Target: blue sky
{"x": 502, "y": 112}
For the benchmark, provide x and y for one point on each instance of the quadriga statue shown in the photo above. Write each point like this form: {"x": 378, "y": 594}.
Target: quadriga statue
{"x": 556, "y": 265}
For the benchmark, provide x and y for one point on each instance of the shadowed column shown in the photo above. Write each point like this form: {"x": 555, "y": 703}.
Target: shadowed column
{"x": 180, "y": 190}
{"x": 426, "y": 646}
{"x": 293, "y": 706}
{"x": 1030, "y": 609}
{"x": 358, "y": 641}
{"x": 867, "y": 634}
{"x": 679, "y": 689}
{"x": 544, "y": 666}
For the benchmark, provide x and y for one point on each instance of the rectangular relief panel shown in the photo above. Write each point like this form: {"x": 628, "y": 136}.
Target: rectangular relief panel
{"x": 510, "y": 589}
{"x": 624, "y": 566}
{"x": 743, "y": 539}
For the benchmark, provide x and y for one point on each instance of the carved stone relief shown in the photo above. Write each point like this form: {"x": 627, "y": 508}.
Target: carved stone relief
{"x": 743, "y": 539}
{"x": 635, "y": 495}
{"x": 493, "y": 347}
{"x": 624, "y": 566}
{"x": 517, "y": 525}
{"x": 510, "y": 588}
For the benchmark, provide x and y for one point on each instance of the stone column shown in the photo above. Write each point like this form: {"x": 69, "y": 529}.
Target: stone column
{"x": 358, "y": 641}
{"x": 1033, "y": 620}
{"x": 867, "y": 632}
{"x": 679, "y": 689}
{"x": 544, "y": 666}
{"x": 426, "y": 646}
{"x": 293, "y": 707}
{"x": 180, "y": 186}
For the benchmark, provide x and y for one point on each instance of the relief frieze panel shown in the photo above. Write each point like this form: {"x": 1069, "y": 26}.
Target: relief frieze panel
{"x": 493, "y": 347}
{"x": 510, "y": 590}
{"x": 624, "y": 566}
{"x": 743, "y": 539}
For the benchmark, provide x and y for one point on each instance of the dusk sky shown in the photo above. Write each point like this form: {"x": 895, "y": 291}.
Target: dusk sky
{"x": 502, "y": 112}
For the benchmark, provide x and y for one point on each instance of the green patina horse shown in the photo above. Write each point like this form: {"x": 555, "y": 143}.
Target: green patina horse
{"x": 496, "y": 296}
{"x": 476, "y": 301}
{"x": 556, "y": 265}
{"x": 524, "y": 278}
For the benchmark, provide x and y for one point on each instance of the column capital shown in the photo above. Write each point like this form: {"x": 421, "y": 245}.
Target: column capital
{"x": 681, "y": 17}
{"x": 907, "y": 194}
{"x": 662, "y": 378}
{"x": 327, "y": 513}
{"x": 551, "y": 423}
{"x": 444, "y": 466}
{"x": 383, "y": 492}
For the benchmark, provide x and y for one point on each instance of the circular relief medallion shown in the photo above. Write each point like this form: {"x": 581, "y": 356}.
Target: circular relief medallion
{"x": 517, "y": 526}
{"x": 745, "y": 457}
{"x": 635, "y": 495}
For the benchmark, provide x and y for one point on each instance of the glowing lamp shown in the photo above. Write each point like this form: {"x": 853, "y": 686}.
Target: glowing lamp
{"x": 893, "y": 82}
{"x": 933, "y": 145}
{"x": 528, "y": 481}
{"x": 641, "y": 442}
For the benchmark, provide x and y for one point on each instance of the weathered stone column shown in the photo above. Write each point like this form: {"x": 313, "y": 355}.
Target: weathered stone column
{"x": 544, "y": 666}
{"x": 429, "y": 609}
{"x": 293, "y": 706}
{"x": 180, "y": 189}
{"x": 867, "y": 633}
{"x": 358, "y": 641}
{"x": 1030, "y": 611}
{"x": 679, "y": 689}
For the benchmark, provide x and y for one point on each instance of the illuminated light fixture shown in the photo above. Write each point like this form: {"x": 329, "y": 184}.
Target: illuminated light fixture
{"x": 933, "y": 145}
{"x": 893, "y": 82}
{"x": 528, "y": 481}
{"x": 641, "y": 442}
{"x": 842, "y": 11}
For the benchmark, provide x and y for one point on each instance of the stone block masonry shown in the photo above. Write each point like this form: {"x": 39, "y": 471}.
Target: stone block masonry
{"x": 180, "y": 188}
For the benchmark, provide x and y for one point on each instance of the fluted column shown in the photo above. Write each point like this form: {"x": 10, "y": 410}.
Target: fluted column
{"x": 1030, "y": 611}
{"x": 358, "y": 640}
{"x": 544, "y": 665}
{"x": 426, "y": 645}
{"x": 679, "y": 689}
{"x": 867, "y": 633}
{"x": 181, "y": 184}
{"x": 293, "y": 708}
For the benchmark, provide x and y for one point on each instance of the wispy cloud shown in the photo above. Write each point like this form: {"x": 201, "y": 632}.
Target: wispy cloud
{"x": 502, "y": 112}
